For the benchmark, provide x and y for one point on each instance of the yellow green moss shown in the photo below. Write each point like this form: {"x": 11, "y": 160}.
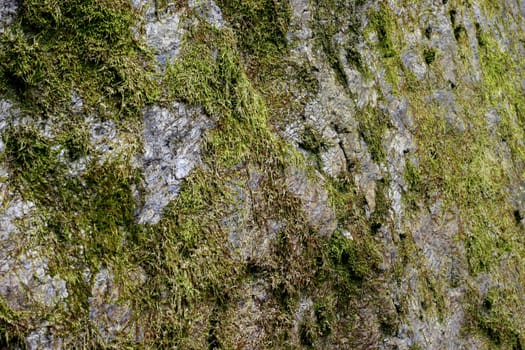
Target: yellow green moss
{"x": 57, "y": 47}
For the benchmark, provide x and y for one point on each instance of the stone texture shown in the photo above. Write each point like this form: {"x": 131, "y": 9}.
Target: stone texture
{"x": 209, "y": 11}
{"x": 314, "y": 199}
{"x": 172, "y": 140}
{"x": 165, "y": 37}
{"x": 108, "y": 313}
{"x": 8, "y": 9}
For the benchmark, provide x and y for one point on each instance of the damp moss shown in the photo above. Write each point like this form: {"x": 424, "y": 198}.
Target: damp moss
{"x": 11, "y": 327}
{"x": 260, "y": 26}
{"x": 260, "y": 29}
{"x": 414, "y": 185}
{"x": 209, "y": 73}
{"x": 193, "y": 274}
{"x": 201, "y": 264}
{"x": 53, "y": 53}
{"x": 190, "y": 264}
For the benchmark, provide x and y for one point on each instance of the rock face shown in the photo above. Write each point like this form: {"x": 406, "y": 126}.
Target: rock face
{"x": 262, "y": 174}
{"x": 172, "y": 150}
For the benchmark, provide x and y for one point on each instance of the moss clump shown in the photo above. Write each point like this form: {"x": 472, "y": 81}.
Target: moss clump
{"x": 209, "y": 73}
{"x": 356, "y": 257}
{"x": 429, "y": 55}
{"x": 372, "y": 125}
{"x": 192, "y": 272}
{"x": 313, "y": 142}
{"x": 56, "y": 50}
{"x": 10, "y": 327}
{"x": 414, "y": 185}
{"x": 494, "y": 315}
{"x": 86, "y": 217}
{"x": 474, "y": 182}
{"x": 349, "y": 263}
{"x": 30, "y": 154}
{"x": 260, "y": 29}
{"x": 260, "y": 26}
{"x": 383, "y": 23}
{"x": 203, "y": 266}
{"x": 57, "y": 47}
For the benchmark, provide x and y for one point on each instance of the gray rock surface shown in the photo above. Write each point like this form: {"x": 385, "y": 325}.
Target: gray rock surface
{"x": 165, "y": 37}
{"x": 107, "y": 312}
{"x": 8, "y": 10}
{"x": 314, "y": 199}
{"x": 172, "y": 140}
{"x": 209, "y": 11}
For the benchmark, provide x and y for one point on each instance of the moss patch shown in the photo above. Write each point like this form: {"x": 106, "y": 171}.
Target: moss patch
{"x": 330, "y": 18}
{"x": 57, "y": 47}
{"x": 477, "y": 174}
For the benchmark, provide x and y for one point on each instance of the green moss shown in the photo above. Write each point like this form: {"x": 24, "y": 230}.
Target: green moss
{"x": 89, "y": 47}
{"x": 313, "y": 142}
{"x": 372, "y": 125}
{"x": 200, "y": 272}
{"x": 330, "y": 16}
{"x": 353, "y": 259}
{"x": 260, "y": 29}
{"x": 429, "y": 55}
{"x": 414, "y": 185}
{"x": 495, "y": 317}
{"x": 347, "y": 270}
{"x": 209, "y": 73}
{"x": 193, "y": 274}
{"x": 478, "y": 171}
{"x": 30, "y": 154}
{"x": 260, "y": 26}
{"x": 345, "y": 259}
{"x": 383, "y": 22}
{"x": 11, "y": 329}
{"x": 191, "y": 268}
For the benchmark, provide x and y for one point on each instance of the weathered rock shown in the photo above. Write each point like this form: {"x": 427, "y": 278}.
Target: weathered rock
{"x": 165, "y": 37}
{"x": 109, "y": 315}
{"x": 314, "y": 199}
{"x": 8, "y": 10}
{"x": 172, "y": 141}
{"x": 209, "y": 11}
